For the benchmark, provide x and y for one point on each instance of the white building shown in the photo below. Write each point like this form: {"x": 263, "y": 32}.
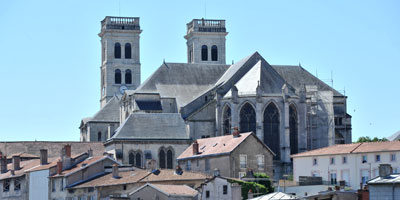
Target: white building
{"x": 353, "y": 163}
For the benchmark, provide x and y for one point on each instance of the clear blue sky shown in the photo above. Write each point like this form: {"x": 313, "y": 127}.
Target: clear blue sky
{"x": 50, "y": 54}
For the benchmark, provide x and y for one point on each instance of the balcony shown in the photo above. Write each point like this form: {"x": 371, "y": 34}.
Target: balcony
{"x": 120, "y": 23}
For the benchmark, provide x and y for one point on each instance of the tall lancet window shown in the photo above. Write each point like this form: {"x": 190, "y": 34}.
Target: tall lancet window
{"x": 117, "y": 76}
{"x": 138, "y": 161}
{"x": 131, "y": 158}
{"x": 161, "y": 157}
{"x": 247, "y": 119}
{"x": 293, "y": 128}
{"x": 170, "y": 159}
{"x": 227, "y": 121}
{"x": 214, "y": 53}
{"x": 117, "y": 50}
{"x": 271, "y": 129}
{"x": 204, "y": 53}
{"x": 128, "y": 51}
{"x": 128, "y": 76}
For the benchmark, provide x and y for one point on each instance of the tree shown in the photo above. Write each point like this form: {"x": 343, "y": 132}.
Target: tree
{"x": 368, "y": 139}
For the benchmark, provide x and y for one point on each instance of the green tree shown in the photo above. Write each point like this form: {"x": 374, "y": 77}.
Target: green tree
{"x": 368, "y": 139}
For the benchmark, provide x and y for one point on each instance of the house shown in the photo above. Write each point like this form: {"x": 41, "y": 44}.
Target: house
{"x": 220, "y": 188}
{"x": 386, "y": 185}
{"x": 164, "y": 192}
{"x": 232, "y": 155}
{"x": 352, "y": 163}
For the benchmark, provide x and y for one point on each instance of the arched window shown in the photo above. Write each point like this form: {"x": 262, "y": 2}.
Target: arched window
{"x": 214, "y": 53}
{"x": 247, "y": 119}
{"x": 99, "y": 136}
{"x": 138, "y": 162}
{"x": 169, "y": 159}
{"x": 128, "y": 51}
{"x": 271, "y": 129}
{"x": 117, "y": 76}
{"x": 227, "y": 121}
{"x": 131, "y": 158}
{"x": 294, "y": 140}
{"x": 161, "y": 157}
{"x": 204, "y": 53}
{"x": 117, "y": 50}
{"x": 128, "y": 76}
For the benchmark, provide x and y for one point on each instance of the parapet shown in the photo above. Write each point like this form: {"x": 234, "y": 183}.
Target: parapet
{"x": 206, "y": 25}
{"x": 120, "y": 23}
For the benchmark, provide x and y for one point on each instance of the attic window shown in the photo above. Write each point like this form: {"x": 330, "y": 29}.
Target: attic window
{"x": 203, "y": 147}
{"x": 215, "y": 144}
{"x": 205, "y": 98}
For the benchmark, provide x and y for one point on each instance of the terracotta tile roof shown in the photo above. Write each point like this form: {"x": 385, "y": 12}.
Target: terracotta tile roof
{"x": 215, "y": 146}
{"x": 107, "y": 179}
{"x": 24, "y": 155}
{"x": 352, "y": 148}
{"x": 52, "y": 162}
{"x": 24, "y": 165}
{"x": 176, "y": 190}
{"x": 169, "y": 175}
{"x": 77, "y": 167}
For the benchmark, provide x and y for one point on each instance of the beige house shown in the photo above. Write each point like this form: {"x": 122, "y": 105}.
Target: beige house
{"x": 164, "y": 192}
{"x": 353, "y": 163}
{"x": 230, "y": 155}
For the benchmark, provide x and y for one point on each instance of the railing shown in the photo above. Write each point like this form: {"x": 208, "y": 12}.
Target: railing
{"x": 206, "y": 25}
{"x": 128, "y": 23}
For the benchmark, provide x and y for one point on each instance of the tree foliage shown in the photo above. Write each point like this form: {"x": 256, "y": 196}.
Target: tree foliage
{"x": 260, "y": 187}
{"x": 368, "y": 139}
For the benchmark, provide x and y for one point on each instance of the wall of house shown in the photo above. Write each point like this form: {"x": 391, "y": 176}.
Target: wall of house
{"x": 384, "y": 191}
{"x": 216, "y": 162}
{"x": 13, "y": 194}
{"x": 303, "y": 166}
{"x": 39, "y": 184}
{"x": 215, "y": 188}
{"x": 251, "y": 147}
{"x": 88, "y": 172}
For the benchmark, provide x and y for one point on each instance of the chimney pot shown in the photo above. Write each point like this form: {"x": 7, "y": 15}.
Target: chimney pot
{"x": 68, "y": 150}
{"x": 115, "y": 173}
{"x": 385, "y": 170}
{"x": 43, "y": 156}
{"x": 90, "y": 152}
{"x": 195, "y": 148}
{"x": 236, "y": 132}
{"x": 16, "y": 161}
{"x": 59, "y": 167}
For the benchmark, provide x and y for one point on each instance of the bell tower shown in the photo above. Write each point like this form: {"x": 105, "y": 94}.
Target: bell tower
{"x": 205, "y": 39}
{"x": 120, "y": 56}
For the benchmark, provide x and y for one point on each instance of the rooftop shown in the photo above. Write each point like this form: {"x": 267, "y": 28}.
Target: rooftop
{"x": 391, "y": 179}
{"x": 206, "y": 25}
{"x": 367, "y": 147}
{"x": 121, "y": 23}
{"x": 171, "y": 190}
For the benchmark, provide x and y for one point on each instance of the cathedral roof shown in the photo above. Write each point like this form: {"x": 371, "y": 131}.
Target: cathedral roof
{"x": 182, "y": 81}
{"x": 109, "y": 113}
{"x": 159, "y": 125}
{"x": 297, "y": 77}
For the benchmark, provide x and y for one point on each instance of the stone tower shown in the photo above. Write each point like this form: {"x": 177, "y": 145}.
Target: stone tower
{"x": 206, "y": 41}
{"x": 120, "y": 56}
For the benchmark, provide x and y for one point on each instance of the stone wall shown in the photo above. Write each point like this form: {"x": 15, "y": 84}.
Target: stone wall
{"x": 54, "y": 148}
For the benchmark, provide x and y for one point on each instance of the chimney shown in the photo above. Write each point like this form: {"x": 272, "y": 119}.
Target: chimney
{"x": 90, "y": 152}
{"x": 216, "y": 172}
{"x": 385, "y": 170}
{"x": 236, "y": 132}
{"x": 115, "y": 171}
{"x": 59, "y": 167}
{"x": 68, "y": 150}
{"x": 43, "y": 156}
{"x": 250, "y": 194}
{"x": 3, "y": 164}
{"x": 195, "y": 148}
{"x": 151, "y": 164}
{"x": 16, "y": 160}
{"x": 12, "y": 172}
{"x": 178, "y": 170}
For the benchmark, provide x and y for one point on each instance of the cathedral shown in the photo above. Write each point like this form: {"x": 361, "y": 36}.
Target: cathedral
{"x": 288, "y": 108}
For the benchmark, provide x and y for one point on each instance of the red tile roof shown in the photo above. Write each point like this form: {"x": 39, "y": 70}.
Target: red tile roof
{"x": 24, "y": 165}
{"x": 215, "y": 146}
{"x": 78, "y": 166}
{"x": 352, "y": 148}
{"x": 126, "y": 177}
{"x": 170, "y": 175}
{"x": 176, "y": 190}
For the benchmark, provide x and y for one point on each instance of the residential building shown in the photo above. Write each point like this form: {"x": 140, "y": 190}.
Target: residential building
{"x": 386, "y": 185}
{"x": 221, "y": 188}
{"x": 352, "y": 163}
{"x": 232, "y": 155}
{"x": 164, "y": 192}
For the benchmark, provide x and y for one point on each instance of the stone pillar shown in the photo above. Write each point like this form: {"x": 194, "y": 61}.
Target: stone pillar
{"x": 259, "y": 122}
{"x": 235, "y": 107}
{"x": 218, "y": 115}
{"x": 286, "y": 138}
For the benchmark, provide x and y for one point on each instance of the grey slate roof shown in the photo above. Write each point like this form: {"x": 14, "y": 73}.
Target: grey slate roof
{"x": 182, "y": 81}
{"x": 297, "y": 77}
{"x": 109, "y": 113}
{"x": 152, "y": 126}
{"x": 391, "y": 179}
